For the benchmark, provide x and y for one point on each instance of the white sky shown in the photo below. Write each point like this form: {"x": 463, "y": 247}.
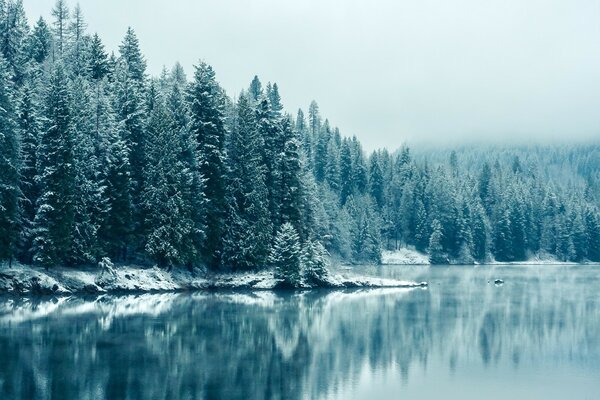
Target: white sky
{"x": 387, "y": 71}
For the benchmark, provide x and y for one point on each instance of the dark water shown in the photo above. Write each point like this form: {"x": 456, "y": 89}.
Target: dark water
{"x": 535, "y": 337}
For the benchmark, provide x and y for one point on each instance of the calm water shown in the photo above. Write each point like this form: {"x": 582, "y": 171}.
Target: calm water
{"x": 535, "y": 337}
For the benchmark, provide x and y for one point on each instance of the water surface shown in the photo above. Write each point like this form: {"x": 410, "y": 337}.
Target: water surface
{"x": 535, "y": 336}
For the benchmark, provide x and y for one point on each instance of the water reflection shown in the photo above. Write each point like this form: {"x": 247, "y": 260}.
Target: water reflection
{"x": 543, "y": 323}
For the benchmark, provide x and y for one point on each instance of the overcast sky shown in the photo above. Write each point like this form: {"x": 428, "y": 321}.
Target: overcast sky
{"x": 387, "y": 71}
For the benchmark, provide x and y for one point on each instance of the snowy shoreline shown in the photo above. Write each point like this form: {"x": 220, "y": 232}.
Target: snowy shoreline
{"x": 26, "y": 280}
{"x": 407, "y": 256}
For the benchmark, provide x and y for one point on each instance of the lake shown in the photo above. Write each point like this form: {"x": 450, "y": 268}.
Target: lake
{"x": 537, "y": 336}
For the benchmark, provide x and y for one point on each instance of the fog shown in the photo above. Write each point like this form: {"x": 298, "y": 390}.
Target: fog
{"x": 387, "y": 71}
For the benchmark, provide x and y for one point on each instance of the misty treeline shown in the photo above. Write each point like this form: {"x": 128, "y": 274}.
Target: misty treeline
{"x": 97, "y": 159}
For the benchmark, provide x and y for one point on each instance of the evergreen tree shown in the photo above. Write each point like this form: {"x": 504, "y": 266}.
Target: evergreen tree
{"x": 255, "y": 92}
{"x": 98, "y": 66}
{"x": 55, "y": 217}
{"x": 346, "y": 172}
{"x": 60, "y": 12}
{"x": 40, "y": 42}
{"x": 10, "y": 167}
{"x": 290, "y": 184}
{"x": 29, "y": 125}
{"x": 131, "y": 54}
{"x": 129, "y": 104}
{"x": 13, "y": 41}
{"x": 89, "y": 200}
{"x": 376, "y": 186}
{"x": 247, "y": 238}
{"x": 207, "y": 124}
{"x": 171, "y": 192}
{"x": 436, "y": 250}
{"x": 285, "y": 256}
{"x": 314, "y": 262}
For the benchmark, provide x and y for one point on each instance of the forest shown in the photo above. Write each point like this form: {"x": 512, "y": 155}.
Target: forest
{"x": 100, "y": 159}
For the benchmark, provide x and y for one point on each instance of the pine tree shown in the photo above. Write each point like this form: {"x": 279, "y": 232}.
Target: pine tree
{"x": 60, "y": 12}
{"x": 13, "y": 43}
{"x": 314, "y": 263}
{"x": 207, "y": 124}
{"x": 436, "y": 250}
{"x": 480, "y": 235}
{"x": 89, "y": 200}
{"x": 247, "y": 237}
{"x": 10, "y": 165}
{"x": 592, "y": 228}
{"x": 117, "y": 227}
{"x": 97, "y": 61}
{"x": 289, "y": 184}
{"x": 40, "y": 42}
{"x": 129, "y": 104}
{"x": 503, "y": 237}
{"x": 376, "y": 185}
{"x": 29, "y": 125}
{"x": 285, "y": 256}
{"x": 421, "y": 229}
{"x": 170, "y": 183}
{"x": 131, "y": 54}
{"x": 346, "y": 172}
{"x": 255, "y": 91}
{"x": 54, "y": 220}
{"x": 76, "y": 32}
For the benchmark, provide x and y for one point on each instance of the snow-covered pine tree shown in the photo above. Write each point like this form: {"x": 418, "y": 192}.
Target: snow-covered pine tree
{"x": 248, "y": 228}
{"x": 205, "y": 99}
{"x": 130, "y": 107}
{"x": 78, "y": 42}
{"x": 10, "y": 167}
{"x": 315, "y": 262}
{"x": 39, "y": 43}
{"x": 14, "y": 30}
{"x": 117, "y": 227}
{"x": 436, "y": 250}
{"x": 60, "y": 12}
{"x": 290, "y": 184}
{"x": 168, "y": 223}
{"x": 129, "y": 51}
{"x": 479, "y": 232}
{"x": 285, "y": 256}
{"x": 269, "y": 129}
{"x": 28, "y": 121}
{"x": 376, "y": 185}
{"x": 97, "y": 60}
{"x": 346, "y": 172}
{"x": 255, "y": 91}
{"x": 89, "y": 199}
{"x": 592, "y": 228}
{"x": 55, "y": 217}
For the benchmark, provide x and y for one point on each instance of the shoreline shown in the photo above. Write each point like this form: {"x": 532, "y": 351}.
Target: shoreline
{"x": 61, "y": 281}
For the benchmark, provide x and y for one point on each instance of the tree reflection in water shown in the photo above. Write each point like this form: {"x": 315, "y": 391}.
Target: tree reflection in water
{"x": 291, "y": 345}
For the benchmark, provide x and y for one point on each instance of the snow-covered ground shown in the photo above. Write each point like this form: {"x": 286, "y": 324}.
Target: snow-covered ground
{"x": 23, "y": 279}
{"x": 535, "y": 260}
{"x": 408, "y": 256}
{"x": 404, "y": 256}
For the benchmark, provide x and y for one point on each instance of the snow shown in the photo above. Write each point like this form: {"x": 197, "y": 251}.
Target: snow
{"x": 537, "y": 259}
{"x": 404, "y": 256}
{"x": 26, "y": 280}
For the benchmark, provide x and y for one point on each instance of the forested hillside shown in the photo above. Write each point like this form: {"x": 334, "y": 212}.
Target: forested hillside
{"x": 99, "y": 159}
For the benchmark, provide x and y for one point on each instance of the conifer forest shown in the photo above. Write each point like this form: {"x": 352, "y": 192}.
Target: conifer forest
{"x": 100, "y": 159}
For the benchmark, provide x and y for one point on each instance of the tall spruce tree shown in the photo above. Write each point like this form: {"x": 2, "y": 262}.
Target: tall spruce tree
{"x": 55, "y": 217}
{"x": 10, "y": 167}
{"x": 205, "y": 100}
{"x": 248, "y": 228}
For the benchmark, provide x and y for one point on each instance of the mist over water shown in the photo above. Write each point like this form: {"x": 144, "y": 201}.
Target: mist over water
{"x": 536, "y": 336}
